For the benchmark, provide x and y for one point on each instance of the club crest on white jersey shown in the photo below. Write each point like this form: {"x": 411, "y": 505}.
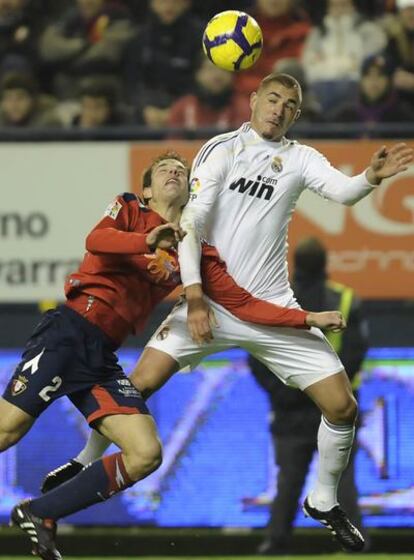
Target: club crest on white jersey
{"x": 276, "y": 165}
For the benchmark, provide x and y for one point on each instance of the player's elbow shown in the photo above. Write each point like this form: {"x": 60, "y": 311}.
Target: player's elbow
{"x": 350, "y": 201}
{"x": 346, "y": 200}
{"x": 90, "y": 244}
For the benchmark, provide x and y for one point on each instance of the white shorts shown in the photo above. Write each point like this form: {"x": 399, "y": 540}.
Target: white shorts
{"x": 299, "y": 357}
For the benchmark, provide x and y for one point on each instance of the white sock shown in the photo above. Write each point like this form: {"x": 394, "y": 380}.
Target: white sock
{"x": 94, "y": 449}
{"x": 334, "y": 446}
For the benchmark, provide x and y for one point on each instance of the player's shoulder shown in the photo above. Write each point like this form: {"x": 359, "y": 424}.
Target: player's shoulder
{"x": 125, "y": 202}
{"x": 133, "y": 200}
{"x": 128, "y": 197}
{"x": 219, "y": 145}
{"x": 305, "y": 155}
{"x": 304, "y": 150}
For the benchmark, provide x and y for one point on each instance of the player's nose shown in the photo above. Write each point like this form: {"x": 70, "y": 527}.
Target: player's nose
{"x": 278, "y": 109}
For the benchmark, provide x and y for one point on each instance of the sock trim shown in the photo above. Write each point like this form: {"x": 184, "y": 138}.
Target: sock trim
{"x": 116, "y": 472}
{"x": 337, "y": 428}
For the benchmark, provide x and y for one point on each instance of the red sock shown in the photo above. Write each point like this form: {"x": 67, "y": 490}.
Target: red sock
{"x": 118, "y": 477}
{"x": 95, "y": 483}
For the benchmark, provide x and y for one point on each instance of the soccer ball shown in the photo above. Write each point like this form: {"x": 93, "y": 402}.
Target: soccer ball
{"x": 233, "y": 40}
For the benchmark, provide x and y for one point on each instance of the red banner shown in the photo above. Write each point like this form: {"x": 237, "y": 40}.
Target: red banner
{"x": 370, "y": 244}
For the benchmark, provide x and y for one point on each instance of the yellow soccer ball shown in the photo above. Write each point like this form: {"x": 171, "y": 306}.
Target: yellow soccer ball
{"x": 233, "y": 40}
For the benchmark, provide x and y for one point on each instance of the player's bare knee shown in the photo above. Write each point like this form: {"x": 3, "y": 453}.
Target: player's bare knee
{"x": 344, "y": 411}
{"x": 144, "y": 460}
{"x": 8, "y": 438}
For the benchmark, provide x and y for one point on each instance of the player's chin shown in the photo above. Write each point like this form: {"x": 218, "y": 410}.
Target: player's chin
{"x": 271, "y": 131}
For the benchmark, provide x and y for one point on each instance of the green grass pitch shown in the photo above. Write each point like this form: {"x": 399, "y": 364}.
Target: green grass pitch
{"x": 318, "y": 557}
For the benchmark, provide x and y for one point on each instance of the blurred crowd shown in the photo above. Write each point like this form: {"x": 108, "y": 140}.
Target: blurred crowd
{"x": 97, "y": 63}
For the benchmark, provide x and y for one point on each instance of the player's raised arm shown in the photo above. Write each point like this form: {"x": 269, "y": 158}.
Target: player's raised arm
{"x": 329, "y": 182}
{"x": 219, "y": 286}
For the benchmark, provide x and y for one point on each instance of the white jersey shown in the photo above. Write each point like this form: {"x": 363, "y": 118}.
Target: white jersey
{"x": 243, "y": 192}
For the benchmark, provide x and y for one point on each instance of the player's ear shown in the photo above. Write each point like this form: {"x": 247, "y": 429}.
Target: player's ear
{"x": 298, "y": 114}
{"x": 253, "y": 99}
{"x": 147, "y": 193}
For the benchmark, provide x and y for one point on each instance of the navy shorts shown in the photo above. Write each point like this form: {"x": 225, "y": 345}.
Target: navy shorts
{"x": 68, "y": 355}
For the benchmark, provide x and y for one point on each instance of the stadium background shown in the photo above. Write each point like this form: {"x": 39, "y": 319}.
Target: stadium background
{"x": 216, "y": 482}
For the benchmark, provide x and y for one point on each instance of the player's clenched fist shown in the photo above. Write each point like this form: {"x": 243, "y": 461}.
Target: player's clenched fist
{"x": 165, "y": 236}
{"x": 326, "y": 320}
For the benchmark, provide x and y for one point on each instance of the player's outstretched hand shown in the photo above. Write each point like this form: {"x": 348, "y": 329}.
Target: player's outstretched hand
{"x": 388, "y": 162}
{"x": 326, "y": 320}
{"x": 165, "y": 236}
{"x": 200, "y": 320}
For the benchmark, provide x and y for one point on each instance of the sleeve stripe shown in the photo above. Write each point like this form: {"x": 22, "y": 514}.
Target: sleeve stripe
{"x": 209, "y": 149}
{"x": 202, "y": 152}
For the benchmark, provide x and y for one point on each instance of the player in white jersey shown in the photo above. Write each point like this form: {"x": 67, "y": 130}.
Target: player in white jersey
{"x": 244, "y": 188}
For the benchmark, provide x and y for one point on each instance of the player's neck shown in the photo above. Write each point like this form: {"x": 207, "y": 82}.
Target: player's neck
{"x": 263, "y": 136}
{"x": 170, "y": 212}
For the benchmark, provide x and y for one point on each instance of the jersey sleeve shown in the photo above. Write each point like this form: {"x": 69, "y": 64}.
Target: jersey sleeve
{"x": 221, "y": 288}
{"x": 112, "y": 234}
{"x": 209, "y": 171}
{"x": 330, "y": 183}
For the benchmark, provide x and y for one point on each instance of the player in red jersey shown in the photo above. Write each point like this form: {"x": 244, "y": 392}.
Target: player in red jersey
{"x": 130, "y": 265}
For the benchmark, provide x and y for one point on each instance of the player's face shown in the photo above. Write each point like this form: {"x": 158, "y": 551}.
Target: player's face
{"x": 169, "y": 183}
{"x": 274, "y": 109}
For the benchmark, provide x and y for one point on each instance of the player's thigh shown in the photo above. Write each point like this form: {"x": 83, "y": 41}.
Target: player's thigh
{"x": 173, "y": 339}
{"x": 153, "y": 369}
{"x": 334, "y": 396}
{"x": 298, "y": 357}
{"x": 14, "y": 423}
{"x": 130, "y": 431}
